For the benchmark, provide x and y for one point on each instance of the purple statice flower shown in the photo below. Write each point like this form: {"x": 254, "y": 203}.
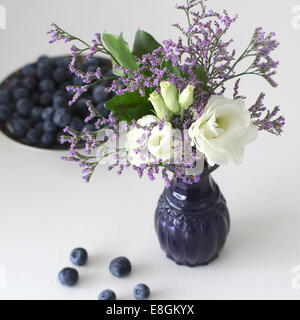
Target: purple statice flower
{"x": 92, "y": 112}
{"x": 59, "y": 34}
{"x": 165, "y": 175}
{"x": 205, "y": 57}
{"x": 71, "y": 138}
{"x": 236, "y": 88}
{"x": 78, "y": 91}
{"x": 266, "y": 119}
{"x": 97, "y": 45}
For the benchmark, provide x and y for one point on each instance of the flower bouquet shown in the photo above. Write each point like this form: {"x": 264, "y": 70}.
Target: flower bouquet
{"x": 170, "y": 116}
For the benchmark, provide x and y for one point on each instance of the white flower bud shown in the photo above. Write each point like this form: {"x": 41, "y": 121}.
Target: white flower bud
{"x": 170, "y": 95}
{"x": 186, "y": 97}
{"x": 159, "y": 105}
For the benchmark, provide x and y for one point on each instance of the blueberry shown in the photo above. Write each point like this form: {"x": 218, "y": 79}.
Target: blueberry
{"x": 69, "y": 93}
{"x": 49, "y": 126}
{"x": 91, "y": 126}
{"x": 20, "y": 127}
{"x": 61, "y": 75}
{"x": 59, "y": 102}
{"x": 5, "y": 113}
{"x": 62, "y": 62}
{"x": 141, "y": 292}
{"x": 91, "y": 68}
{"x": 60, "y": 93}
{"x": 68, "y": 277}
{"x": 15, "y": 116}
{"x": 79, "y": 256}
{"x": 44, "y": 60}
{"x": 44, "y": 71}
{"x": 108, "y": 73}
{"x": 15, "y": 84}
{"x": 77, "y": 124}
{"x": 4, "y": 97}
{"x": 46, "y": 99}
{"x": 21, "y": 93}
{"x": 102, "y": 110}
{"x": 30, "y": 83}
{"x": 29, "y": 70}
{"x": 106, "y": 69}
{"x": 61, "y": 118}
{"x": 99, "y": 94}
{"x": 47, "y": 113}
{"x": 81, "y": 103}
{"x": 77, "y": 81}
{"x": 36, "y": 98}
{"x": 120, "y": 267}
{"x": 80, "y": 107}
{"x": 48, "y": 139}
{"x": 36, "y": 113}
{"x": 33, "y": 136}
{"x": 93, "y": 61}
{"x": 39, "y": 127}
{"x": 24, "y": 107}
{"x": 47, "y": 85}
{"x": 58, "y": 137}
{"x": 107, "y": 295}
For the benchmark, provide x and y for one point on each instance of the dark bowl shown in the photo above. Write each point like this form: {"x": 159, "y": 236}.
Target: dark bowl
{"x": 6, "y": 128}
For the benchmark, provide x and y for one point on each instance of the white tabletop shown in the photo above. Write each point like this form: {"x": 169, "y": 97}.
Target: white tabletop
{"x": 47, "y": 210}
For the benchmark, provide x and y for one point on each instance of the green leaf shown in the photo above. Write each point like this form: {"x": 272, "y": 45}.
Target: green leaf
{"x": 144, "y": 43}
{"x": 129, "y": 106}
{"x": 173, "y": 69}
{"x": 119, "y": 49}
{"x": 116, "y": 72}
{"x": 201, "y": 74}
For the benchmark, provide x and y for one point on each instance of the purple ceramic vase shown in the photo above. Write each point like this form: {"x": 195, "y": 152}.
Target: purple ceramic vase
{"x": 192, "y": 221}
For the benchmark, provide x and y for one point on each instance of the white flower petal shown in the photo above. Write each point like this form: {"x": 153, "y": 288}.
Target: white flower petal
{"x": 160, "y": 143}
{"x": 132, "y": 144}
{"x": 223, "y": 130}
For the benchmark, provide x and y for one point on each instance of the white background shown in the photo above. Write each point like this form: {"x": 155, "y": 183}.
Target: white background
{"x": 46, "y": 209}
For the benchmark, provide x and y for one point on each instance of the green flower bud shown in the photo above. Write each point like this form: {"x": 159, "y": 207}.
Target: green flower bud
{"x": 170, "y": 95}
{"x": 186, "y": 97}
{"x": 159, "y": 105}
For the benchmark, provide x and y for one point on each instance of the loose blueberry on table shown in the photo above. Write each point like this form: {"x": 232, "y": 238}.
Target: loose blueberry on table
{"x": 141, "y": 292}
{"x": 120, "y": 267}
{"x": 107, "y": 295}
{"x": 68, "y": 277}
{"x": 34, "y": 101}
{"x": 79, "y": 256}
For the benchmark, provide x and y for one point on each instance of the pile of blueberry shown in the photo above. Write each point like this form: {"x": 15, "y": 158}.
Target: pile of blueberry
{"x": 34, "y": 101}
{"x": 119, "y": 267}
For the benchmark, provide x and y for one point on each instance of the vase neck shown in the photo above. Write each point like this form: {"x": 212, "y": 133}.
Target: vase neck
{"x": 181, "y": 195}
{"x": 193, "y": 192}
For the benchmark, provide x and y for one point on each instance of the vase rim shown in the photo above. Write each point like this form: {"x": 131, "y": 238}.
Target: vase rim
{"x": 206, "y": 171}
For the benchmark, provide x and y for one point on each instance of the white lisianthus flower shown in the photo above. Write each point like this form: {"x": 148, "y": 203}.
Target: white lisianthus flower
{"x": 138, "y": 139}
{"x": 160, "y": 143}
{"x": 169, "y": 93}
{"x": 223, "y": 130}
